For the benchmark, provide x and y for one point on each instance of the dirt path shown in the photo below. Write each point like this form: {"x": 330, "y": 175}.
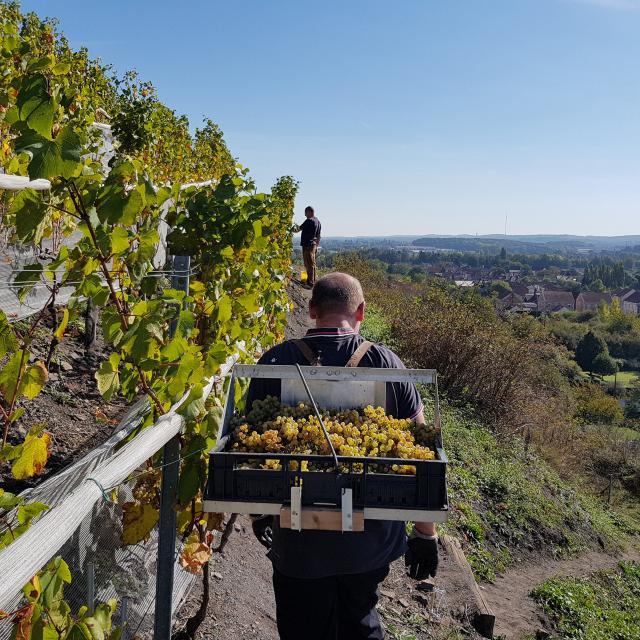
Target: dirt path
{"x": 516, "y": 613}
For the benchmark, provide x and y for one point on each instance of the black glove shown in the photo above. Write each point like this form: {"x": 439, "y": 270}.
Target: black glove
{"x": 421, "y": 558}
{"x": 262, "y": 529}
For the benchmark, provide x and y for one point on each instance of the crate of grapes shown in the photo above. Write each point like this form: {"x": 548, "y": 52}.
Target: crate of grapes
{"x": 325, "y": 455}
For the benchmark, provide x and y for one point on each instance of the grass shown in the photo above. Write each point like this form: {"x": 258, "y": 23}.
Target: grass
{"x": 508, "y": 502}
{"x": 624, "y": 379}
{"x": 604, "y": 605}
{"x": 376, "y": 328}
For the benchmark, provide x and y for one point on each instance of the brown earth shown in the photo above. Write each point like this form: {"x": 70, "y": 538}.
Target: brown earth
{"x": 70, "y": 406}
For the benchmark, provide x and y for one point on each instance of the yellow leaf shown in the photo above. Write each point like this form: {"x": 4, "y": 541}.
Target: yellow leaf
{"x": 62, "y": 327}
{"x": 34, "y": 453}
{"x": 34, "y": 379}
{"x": 194, "y": 555}
{"x": 138, "y": 520}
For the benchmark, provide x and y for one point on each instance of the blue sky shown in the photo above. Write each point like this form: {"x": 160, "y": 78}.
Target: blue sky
{"x": 406, "y": 117}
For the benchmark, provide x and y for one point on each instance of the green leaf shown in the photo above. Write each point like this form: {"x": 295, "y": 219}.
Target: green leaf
{"x": 62, "y": 327}
{"x": 223, "y": 308}
{"x": 17, "y": 414}
{"x": 27, "y": 512}
{"x": 27, "y": 279}
{"x": 100, "y": 622}
{"x": 33, "y": 380}
{"x": 193, "y": 406}
{"x": 35, "y": 106}
{"x": 8, "y": 340}
{"x": 8, "y": 500}
{"x": 133, "y": 206}
{"x": 61, "y": 69}
{"x": 107, "y": 376}
{"x": 110, "y": 203}
{"x": 10, "y": 373}
{"x": 249, "y": 302}
{"x": 79, "y": 631}
{"x": 148, "y": 244}
{"x": 42, "y": 631}
{"x": 51, "y": 158}
{"x": 190, "y": 481}
{"x": 29, "y": 210}
{"x": 119, "y": 240}
{"x": 37, "y": 64}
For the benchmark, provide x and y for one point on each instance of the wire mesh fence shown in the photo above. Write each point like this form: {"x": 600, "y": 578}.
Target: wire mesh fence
{"x": 102, "y": 567}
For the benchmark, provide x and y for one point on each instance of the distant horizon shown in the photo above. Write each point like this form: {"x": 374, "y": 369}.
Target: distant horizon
{"x": 485, "y": 235}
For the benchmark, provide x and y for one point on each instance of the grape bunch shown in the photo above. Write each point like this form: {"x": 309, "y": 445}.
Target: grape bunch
{"x": 271, "y": 427}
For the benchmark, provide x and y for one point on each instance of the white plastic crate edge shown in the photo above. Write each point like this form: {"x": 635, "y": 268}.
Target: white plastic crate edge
{"x": 29, "y": 553}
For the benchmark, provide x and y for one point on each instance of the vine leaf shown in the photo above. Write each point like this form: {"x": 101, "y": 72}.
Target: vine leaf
{"x": 194, "y": 555}
{"x": 119, "y": 240}
{"x": 224, "y": 309}
{"x": 61, "y": 69}
{"x": 27, "y": 279}
{"x": 49, "y": 158}
{"x": 8, "y": 500}
{"x": 33, "y": 380}
{"x": 138, "y": 520}
{"x": 107, "y": 376}
{"x": 32, "y": 455}
{"x": 10, "y": 373}
{"x": 8, "y": 340}
{"x": 62, "y": 327}
{"x": 27, "y": 512}
{"x": 35, "y": 106}
{"x": 28, "y": 210}
{"x": 23, "y": 623}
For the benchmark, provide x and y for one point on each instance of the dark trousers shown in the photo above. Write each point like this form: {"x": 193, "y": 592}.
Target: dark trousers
{"x": 333, "y": 608}
{"x": 309, "y": 258}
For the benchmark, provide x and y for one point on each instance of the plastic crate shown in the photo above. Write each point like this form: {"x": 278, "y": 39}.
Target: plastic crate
{"x": 233, "y": 487}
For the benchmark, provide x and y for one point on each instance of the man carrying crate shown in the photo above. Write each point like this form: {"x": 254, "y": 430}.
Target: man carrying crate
{"x": 325, "y": 582}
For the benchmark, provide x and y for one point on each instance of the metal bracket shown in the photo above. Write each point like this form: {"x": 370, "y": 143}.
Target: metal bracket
{"x": 296, "y": 508}
{"x": 347, "y": 509}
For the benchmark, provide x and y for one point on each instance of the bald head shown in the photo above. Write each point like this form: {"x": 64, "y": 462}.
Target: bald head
{"x": 336, "y": 294}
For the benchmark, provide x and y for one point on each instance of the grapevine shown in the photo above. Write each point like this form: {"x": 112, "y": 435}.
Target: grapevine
{"x": 272, "y": 427}
{"x": 240, "y": 241}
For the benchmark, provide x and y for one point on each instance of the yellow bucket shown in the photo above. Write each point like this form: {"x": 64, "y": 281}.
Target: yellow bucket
{"x": 303, "y": 276}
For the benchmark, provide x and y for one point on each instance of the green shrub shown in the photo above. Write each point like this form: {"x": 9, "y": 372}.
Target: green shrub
{"x": 603, "y": 606}
{"x": 596, "y": 407}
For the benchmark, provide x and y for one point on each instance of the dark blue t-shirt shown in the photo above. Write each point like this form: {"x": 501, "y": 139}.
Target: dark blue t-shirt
{"x": 310, "y": 228}
{"x": 317, "y": 554}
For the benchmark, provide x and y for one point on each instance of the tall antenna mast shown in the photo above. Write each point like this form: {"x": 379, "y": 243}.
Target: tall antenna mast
{"x": 506, "y": 216}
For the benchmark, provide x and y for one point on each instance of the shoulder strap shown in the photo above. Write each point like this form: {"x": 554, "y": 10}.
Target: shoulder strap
{"x": 310, "y": 355}
{"x": 358, "y": 354}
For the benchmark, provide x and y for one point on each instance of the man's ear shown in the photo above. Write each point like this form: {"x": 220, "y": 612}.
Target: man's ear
{"x": 312, "y": 310}
{"x": 360, "y": 312}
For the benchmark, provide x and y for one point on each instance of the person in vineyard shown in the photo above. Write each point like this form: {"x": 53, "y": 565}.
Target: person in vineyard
{"x": 326, "y": 583}
{"x": 309, "y": 242}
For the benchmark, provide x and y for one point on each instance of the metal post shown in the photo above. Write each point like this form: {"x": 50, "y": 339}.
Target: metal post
{"x": 169, "y": 495}
{"x": 124, "y": 618}
{"x": 91, "y": 586}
